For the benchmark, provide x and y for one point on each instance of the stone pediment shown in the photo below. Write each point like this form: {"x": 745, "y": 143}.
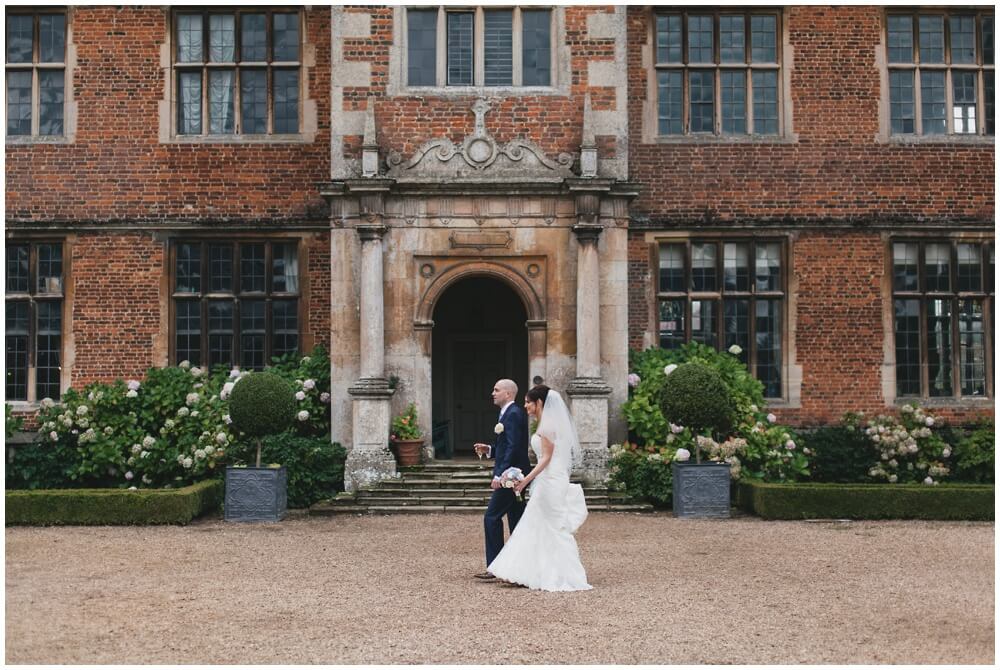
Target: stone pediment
{"x": 479, "y": 158}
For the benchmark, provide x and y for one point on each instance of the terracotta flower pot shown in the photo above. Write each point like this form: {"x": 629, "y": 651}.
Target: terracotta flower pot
{"x": 408, "y": 451}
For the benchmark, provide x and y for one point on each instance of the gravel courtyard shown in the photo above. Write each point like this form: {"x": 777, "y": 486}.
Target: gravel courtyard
{"x": 400, "y": 590}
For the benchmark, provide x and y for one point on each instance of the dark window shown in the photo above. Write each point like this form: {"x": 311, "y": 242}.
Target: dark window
{"x": 36, "y": 74}
{"x": 237, "y": 72}
{"x": 244, "y": 311}
{"x": 421, "y": 40}
{"x": 34, "y": 304}
{"x": 725, "y": 292}
{"x": 942, "y": 305}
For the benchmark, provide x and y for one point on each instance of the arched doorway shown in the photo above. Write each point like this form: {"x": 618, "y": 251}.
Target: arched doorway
{"x": 480, "y": 335}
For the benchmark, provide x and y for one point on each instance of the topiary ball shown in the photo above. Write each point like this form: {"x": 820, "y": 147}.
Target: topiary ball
{"x": 695, "y": 396}
{"x": 262, "y": 403}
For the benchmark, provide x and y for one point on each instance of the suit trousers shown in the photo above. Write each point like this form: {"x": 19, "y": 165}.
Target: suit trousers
{"x": 503, "y": 501}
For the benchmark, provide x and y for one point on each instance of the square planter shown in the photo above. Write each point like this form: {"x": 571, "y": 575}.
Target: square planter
{"x": 256, "y": 494}
{"x": 701, "y": 490}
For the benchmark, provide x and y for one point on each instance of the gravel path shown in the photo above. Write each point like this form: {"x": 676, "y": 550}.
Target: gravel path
{"x": 400, "y": 590}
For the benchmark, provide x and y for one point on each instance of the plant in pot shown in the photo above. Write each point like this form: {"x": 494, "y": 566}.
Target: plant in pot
{"x": 260, "y": 404}
{"x": 406, "y": 437}
{"x": 695, "y": 396}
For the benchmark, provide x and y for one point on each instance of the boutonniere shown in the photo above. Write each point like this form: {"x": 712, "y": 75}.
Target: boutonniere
{"x": 498, "y": 428}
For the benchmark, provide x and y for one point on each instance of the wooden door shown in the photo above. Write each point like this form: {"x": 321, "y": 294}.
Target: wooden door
{"x": 476, "y": 363}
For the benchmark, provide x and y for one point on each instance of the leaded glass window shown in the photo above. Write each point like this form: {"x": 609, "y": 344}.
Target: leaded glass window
{"x": 36, "y": 74}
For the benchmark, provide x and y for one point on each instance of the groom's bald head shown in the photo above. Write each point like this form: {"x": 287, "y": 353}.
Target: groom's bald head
{"x": 504, "y": 391}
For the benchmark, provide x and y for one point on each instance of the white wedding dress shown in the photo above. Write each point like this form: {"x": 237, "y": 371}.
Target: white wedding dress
{"x": 541, "y": 552}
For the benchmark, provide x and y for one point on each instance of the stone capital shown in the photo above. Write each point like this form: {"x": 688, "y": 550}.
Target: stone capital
{"x": 369, "y": 233}
{"x": 587, "y": 233}
{"x": 588, "y": 387}
{"x": 371, "y": 387}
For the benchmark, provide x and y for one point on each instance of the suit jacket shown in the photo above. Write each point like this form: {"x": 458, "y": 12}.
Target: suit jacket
{"x": 511, "y": 446}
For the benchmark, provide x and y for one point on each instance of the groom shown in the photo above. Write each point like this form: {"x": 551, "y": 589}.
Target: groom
{"x": 511, "y": 451}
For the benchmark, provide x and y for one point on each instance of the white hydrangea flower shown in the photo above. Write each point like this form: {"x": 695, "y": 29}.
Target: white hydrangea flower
{"x": 227, "y": 388}
{"x": 132, "y": 488}
{"x": 48, "y": 403}
{"x": 300, "y": 395}
{"x": 82, "y": 410}
{"x": 633, "y": 379}
{"x": 197, "y": 371}
{"x": 199, "y": 454}
{"x": 806, "y": 450}
{"x": 303, "y": 415}
{"x": 309, "y": 384}
{"x": 736, "y": 350}
{"x": 221, "y": 438}
{"x": 129, "y": 475}
{"x": 148, "y": 441}
{"x": 199, "y": 385}
{"x": 136, "y": 448}
{"x": 771, "y": 418}
{"x": 53, "y": 436}
{"x": 324, "y": 397}
{"x": 906, "y": 409}
{"x": 670, "y": 368}
{"x": 146, "y": 479}
{"x": 946, "y": 453}
{"x": 235, "y": 372}
{"x": 682, "y": 455}
{"x": 132, "y": 394}
{"x": 169, "y": 423}
{"x": 187, "y": 462}
{"x": 894, "y": 463}
{"x": 306, "y": 359}
{"x": 928, "y": 480}
{"x": 754, "y": 408}
{"x": 183, "y": 411}
{"x": 192, "y": 398}
{"x": 133, "y": 385}
{"x": 184, "y": 365}
{"x": 671, "y": 437}
{"x": 194, "y": 414}
{"x": 228, "y": 419}
{"x": 675, "y": 429}
{"x": 893, "y": 479}
{"x": 790, "y": 444}
{"x": 929, "y": 421}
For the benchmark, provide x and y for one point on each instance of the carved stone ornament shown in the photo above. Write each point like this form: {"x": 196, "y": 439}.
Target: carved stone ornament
{"x": 479, "y": 158}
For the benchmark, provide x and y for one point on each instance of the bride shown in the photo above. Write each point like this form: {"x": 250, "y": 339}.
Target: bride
{"x": 541, "y": 552}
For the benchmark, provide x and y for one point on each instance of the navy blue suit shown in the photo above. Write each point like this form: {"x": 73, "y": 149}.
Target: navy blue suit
{"x": 510, "y": 451}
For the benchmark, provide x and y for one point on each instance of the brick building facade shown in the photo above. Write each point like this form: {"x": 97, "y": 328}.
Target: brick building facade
{"x": 447, "y": 195}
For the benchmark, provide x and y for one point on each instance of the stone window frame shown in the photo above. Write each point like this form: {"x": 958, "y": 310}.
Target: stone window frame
{"x": 650, "y": 118}
{"x": 789, "y": 373}
{"x": 32, "y": 297}
{"x": 68, "y": 66}
{"x": 399, "y": 55}
{"x": 203, "y": 297}
{"x": 885, "y": 126}
{"x": 891, "y": 294}
{"x": 307, "y": 107}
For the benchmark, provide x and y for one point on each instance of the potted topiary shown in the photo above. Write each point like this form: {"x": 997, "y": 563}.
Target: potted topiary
{"x": 406, "y": 437}
{"x": 260, "y": 404}
{"x": 695, "y": 396}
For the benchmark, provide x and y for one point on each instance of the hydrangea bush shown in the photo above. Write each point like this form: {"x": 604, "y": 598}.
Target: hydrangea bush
{"x": 907, "y": 449}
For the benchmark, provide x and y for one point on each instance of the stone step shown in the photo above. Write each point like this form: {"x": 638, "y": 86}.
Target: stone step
{"x": 374, "y": 500}
{"x": 329, "y": 508}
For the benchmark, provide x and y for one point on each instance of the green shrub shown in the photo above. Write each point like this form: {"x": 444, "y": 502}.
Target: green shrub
{"x": 909, "y": 448}
{"x": 112, "y": 506}
{"x": 694, "y": 395}
{"x": 11, "y": 422}
{"x": 310, "y": 376}
{"x": 315, "y": 466}
{"x": 840, "y": 454}
{"x": 973, "y": 455}
{"x": 39, "y": 465}
{"x": 644, "y": 473}
{"x": 262, "y": 404}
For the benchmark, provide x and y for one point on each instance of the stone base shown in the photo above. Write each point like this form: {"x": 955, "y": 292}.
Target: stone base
{"x": 369, "y": 459}
{"x": 590, "y": 412}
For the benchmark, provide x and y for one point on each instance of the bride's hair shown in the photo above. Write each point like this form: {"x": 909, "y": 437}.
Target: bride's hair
{"x": 536, "y": 393}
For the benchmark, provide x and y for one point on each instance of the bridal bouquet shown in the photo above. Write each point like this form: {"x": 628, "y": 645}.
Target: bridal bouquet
{"x": 510, "y": 478}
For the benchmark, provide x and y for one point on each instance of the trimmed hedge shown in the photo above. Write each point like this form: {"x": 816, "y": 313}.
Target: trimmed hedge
{"x": 949, "y": 502}
{"x": 112, "y": 507}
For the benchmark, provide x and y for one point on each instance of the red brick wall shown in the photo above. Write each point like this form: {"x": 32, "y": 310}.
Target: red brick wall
{"x": 117, "y": 169}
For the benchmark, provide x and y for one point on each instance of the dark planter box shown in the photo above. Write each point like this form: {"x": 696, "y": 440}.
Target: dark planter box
{"x": 256, "y": 494}
{"x": 701, "y": 490}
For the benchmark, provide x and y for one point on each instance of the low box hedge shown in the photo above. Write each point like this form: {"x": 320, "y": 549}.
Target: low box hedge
{"x": 113, "y": 507}
{"x": 948, "y": 502}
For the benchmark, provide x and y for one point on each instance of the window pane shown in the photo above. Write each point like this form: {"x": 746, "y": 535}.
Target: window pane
{"x": 48, "y": 349}
{"x": 964, "y": 97}
{"x": 49, "y": 269}
{"x": 188, "y": 331}
{"x": 907, "y": 333}
{"x": 220, "y": 101}
{"x": 939, "y": 347}
{"x": 703, "y": 267}
{"x": 987, "y": 39}
{"x": 220, "y": 268}
{"x": 668, "y": 39}
{"x": 990, "y": 259}
{"x": 253, "y": 37}
{"x": 901, "y": 105}
{"x": 765, "y": 103}
{"x": 189, "y": 103}
{"x": 286, "y": 37}
{"x": 900, "y": 39}
{"x": 737, "y": 327}
{"x": 931, "y": 39}
{"x": 20, "y": 38}
{"x": 17, "y": 268}
{"x": 284, "y": 268}
{"x": 703, "y": 322}
{"x": 933, "y": 107}
{"x": 222, "y": 38}
{"x": 52, "y": 38}
{"x": 498, "y": 47}
{"x": 768, "y": 266}
{"x": 963, "y": 38}
{"x": 189, "y": 38}
{"x": 459, "y": 49}
{"x": 252, "y": 330}
{"x": 700, "y": 39}
{"x": 702, "y": 92}
{"x": 50, "y": 102}
{"x": 970, "y": 267}
{"x": 670, "y": 99}
{"x": 536, "y": 47}
{"x": 736, "y": 266}
{"x": 972, "y": 349}
{"x": 220, "y": 332}
{"x": 990, "y": 118}
{"x": 188, "y": 268}
{"x": 253, "y": 101}
{"x": 734, "y": 97}
{"x": 763, "y": 39}
{"x": 905, "y": 266}
{"x": 286, "y": 101}
{"x": 16, "y": 343}
{"x": 937, "y": 262}
{"x": 732, "y": 39}
{"x": 767, "y": 329}
{"x": 18, "y": 103}
{"x": 285, "y": 322}
{"x": 672, "y": 267}
{"x": 421, "y": 44}
{"x": 671, "y": 323}
{"x": 251, "y": 267}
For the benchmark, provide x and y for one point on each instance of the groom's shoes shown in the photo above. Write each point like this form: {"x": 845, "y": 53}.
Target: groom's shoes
{"x": 485, "y": 575}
